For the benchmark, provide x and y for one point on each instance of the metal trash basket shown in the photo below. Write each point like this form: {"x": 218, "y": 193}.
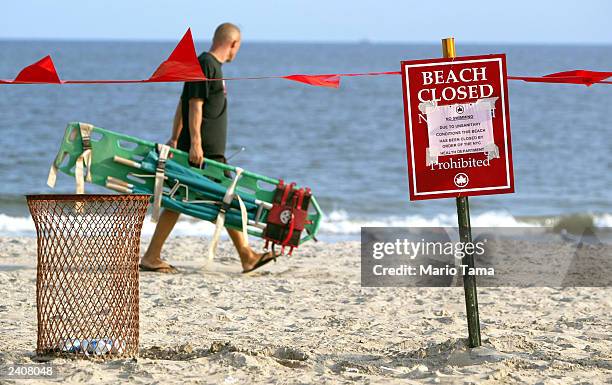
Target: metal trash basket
{"x": 87, "y": 273}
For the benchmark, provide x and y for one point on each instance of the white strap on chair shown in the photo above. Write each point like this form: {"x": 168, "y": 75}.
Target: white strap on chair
{"x": 160, "y": 176}
{"x": 53, "y": 172}
{"x": 83, "y": 160}
{"x": 245, "y": 219}
{"x": 220, "y": 222}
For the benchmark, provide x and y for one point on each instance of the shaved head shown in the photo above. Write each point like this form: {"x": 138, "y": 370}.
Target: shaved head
{"x": 226, "y": 33}
{"x": 226, "y": 42}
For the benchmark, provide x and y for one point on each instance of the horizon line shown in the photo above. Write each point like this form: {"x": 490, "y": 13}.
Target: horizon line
{"x": 323, "y": 42}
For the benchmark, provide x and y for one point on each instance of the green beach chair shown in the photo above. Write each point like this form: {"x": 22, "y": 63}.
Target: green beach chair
{"x": 264, "y": 207}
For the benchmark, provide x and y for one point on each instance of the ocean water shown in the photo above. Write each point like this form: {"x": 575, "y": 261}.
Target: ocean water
{"x": 348, "y": 144}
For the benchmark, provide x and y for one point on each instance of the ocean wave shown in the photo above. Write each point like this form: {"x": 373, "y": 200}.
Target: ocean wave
{"x": 603, "y": 220}
{"x": 184, "y": 227}
{"x": 10, "y": 225}
{"x": 24, "y": 226}
{"x": 341, "y": 223}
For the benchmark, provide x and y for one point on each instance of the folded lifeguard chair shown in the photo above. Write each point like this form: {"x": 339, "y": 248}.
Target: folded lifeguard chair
{"x": 281, "y": 213}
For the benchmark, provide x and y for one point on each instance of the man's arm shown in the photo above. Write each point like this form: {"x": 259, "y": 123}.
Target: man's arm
{"x": 196, "y": 154}
{"x": 177, "y": 126}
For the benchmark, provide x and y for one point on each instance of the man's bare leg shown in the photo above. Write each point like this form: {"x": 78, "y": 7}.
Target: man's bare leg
{"x": 248, "y": 257}
{"x": 152, "y": 258}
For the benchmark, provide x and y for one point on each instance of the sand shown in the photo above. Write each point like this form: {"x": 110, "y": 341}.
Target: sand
{"x": 306, "y": 319}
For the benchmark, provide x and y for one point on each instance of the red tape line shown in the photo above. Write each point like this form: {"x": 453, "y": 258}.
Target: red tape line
{"x": 183, "y": 66}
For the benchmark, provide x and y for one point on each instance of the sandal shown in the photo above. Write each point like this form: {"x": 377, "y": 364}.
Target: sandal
{"x": 261, "y": 262}
{"x": 171, "y": 269}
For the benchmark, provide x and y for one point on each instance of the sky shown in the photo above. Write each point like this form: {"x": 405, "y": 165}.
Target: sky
{"x": 490, "y": 21}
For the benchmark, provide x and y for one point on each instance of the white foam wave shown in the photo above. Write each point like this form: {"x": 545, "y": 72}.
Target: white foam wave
{"x": 337, "y": 222}
{"x": 16, "y": 225}
{"x": 184, "y": 227}
{"x": 603, "y": 220}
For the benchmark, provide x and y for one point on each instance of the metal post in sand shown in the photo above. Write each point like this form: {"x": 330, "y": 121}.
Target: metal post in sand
{"x": 465, "y": 235}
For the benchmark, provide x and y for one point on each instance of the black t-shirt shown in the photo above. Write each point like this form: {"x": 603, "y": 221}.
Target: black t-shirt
{"x": 214, "y": 117}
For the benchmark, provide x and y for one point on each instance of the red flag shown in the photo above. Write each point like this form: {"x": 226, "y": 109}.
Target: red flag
{"x": 570, "y": 77}
{"x": 332, "y": 80}
{"x": 181, "y": 65}
{"x": 43, "y": 71}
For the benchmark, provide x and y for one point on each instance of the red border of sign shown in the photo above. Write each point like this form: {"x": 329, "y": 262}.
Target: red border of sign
{"x": 463, "y": 192}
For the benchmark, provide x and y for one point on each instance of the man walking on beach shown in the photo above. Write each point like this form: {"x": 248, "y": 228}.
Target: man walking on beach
{"x": 200, "y": 128}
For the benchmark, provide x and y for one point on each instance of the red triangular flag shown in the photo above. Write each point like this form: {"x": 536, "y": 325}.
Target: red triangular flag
{"x": 181, "y": 65}
{"x": 43, "y": 71}
{"x": 580, "y": 76}
{"x": 569, "y": 77}
{"x": 332, "y": 81}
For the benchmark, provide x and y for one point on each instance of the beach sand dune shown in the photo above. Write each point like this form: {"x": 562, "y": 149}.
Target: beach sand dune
{"x": 306, "y": 319}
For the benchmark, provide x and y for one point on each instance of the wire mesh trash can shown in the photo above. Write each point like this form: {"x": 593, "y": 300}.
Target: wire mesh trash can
{"x": 87, "y": 273}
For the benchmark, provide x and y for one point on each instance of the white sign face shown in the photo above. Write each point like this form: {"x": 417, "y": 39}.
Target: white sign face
{"x": 460, "y": 129}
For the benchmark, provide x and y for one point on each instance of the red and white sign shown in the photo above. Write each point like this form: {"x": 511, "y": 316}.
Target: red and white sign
{"x": 457, "y": 126}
